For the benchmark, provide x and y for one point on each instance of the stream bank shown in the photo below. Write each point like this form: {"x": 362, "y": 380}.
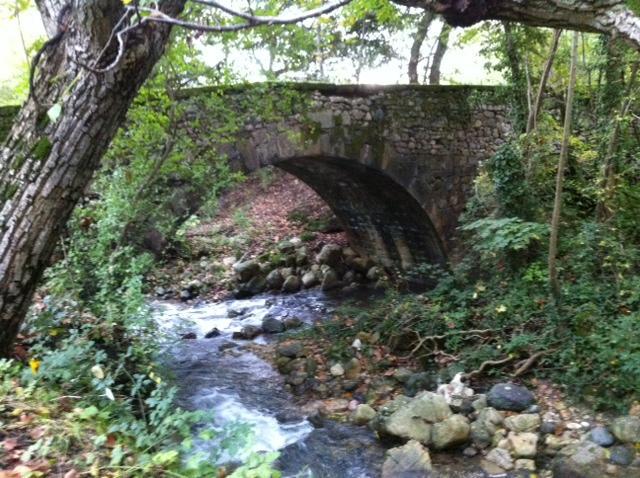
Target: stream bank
{"x": 318, "y": 424}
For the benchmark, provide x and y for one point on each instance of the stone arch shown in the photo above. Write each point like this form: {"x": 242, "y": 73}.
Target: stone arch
{"x": 381, "y": 218}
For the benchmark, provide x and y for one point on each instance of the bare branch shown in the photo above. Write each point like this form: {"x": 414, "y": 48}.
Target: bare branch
{"x": 251, "y": 20}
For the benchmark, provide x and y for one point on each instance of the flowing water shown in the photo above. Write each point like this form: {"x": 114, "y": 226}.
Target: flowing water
{"x": 225, "y": 377}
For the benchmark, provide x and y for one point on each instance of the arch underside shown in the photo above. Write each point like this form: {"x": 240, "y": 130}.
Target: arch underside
{"x": 382, "y": 219}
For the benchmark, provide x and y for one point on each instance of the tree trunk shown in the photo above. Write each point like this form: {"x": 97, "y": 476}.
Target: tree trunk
{"x": 47, "y": 162}
{"x": 537, "y": 104}
{"x": 441, "y": 49}
{"x": 611, "y": 17}
{"x": 554, "y": 283}
{"x": 418, "y": 40}
{"x": 608, "y": 180}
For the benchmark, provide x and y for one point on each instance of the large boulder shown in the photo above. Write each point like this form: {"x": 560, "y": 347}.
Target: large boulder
{"x": 412, "y": 418}
{"x": 582, "y": 460}
{"x": 627, "y": 429}
{"x": 330, "y": 254}
{"x": 248, "y": 332}
{"x": 450, "y": 432}
{"x": 411, "y": 460}
{"x": 246, "y": 270}
{"x": 509, "y": 396}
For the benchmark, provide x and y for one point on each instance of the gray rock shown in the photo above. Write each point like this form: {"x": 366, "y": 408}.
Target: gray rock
{"x": 291, "y": 349}
{"x": 627, "y": 429}
{"x": 601, "y": 436}
{"x": 330, "y": 254}
{"x": 286, "y": 247}
{"x": 411, "y": 460}
{"x": 485, "y": 426}
{"x": 337, "y": 370}
{"x": 212, "y": 333}
{"x": 291, "y": 284}
{"x": 352, "y": 368}
{"x": 548, "y": 427}
{"x": 622, "y": 455}
{"x": 248, "y": 332}
{"x": 419, "y": 381}
{"x": 274, "y": 280}
{"x": 330, "y": 280}
{"x": 526, "y": 422}
{"x": 509, "y": 396}
{"x": 363, "y": 414}
{"x": 523, "y": 445}
{"x": 271, "y": 325}
{"x": 412, "y": 418}
{"x": 310, "y": 279}
{"x": 580, "y": 460}
{"x": 450, "y": 432}
{"x": 500, "y": 457}
{"x": 246, "y": 270}
{"x": 186, "y": 294}
{"x": 374, "y": 273}
{"x": 480, "y": 403}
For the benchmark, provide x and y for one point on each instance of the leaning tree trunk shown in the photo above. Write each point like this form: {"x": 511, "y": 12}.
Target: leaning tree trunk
{"x": 416, "y": 46}
{"x": 48, "y": 159}
{"x": 612, "y": 17}
{"x": 438, "y": 56}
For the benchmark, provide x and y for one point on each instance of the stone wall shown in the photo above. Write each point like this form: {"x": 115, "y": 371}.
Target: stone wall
{"x": 395, "y": 163}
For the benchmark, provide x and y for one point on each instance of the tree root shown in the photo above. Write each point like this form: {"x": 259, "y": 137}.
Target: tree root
{"x": 485, "y": 364}
{"x": 434, "y": 338}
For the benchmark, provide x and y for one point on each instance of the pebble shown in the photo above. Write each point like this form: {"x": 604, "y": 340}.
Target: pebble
{"x": 337, "y": 370}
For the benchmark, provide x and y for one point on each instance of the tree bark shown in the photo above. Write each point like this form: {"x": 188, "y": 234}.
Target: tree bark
{"x": 611, "y": 17}
{"x": 537, "y": 104}
{"x": 554, "y": 283}
{"x": 441, "y": 49}
{"x": 46, "y": 163}
{"x": 421, "y": 33}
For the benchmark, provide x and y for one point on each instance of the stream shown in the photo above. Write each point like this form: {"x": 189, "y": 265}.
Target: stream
{"x": 223, "y": 376}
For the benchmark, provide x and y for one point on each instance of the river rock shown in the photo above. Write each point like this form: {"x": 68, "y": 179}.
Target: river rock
{"x": 523, "y": 445}
{"x": 310, "y": 279}
{"x": 271, "y": 325}
{"x": 485, "y": 426}
{"x": 601, "y": 436}
{"x": 627, "y": 429}
{"x": 274, "y": 280}
{"x": 525, "y": 464}
{"x": 330, "y": 280}
{"x": 337, "y": 370}
{"x": 290, "y": 348}
{"x": 246, "y": 270}
{"x": 352, "y": 369}
{"x": 526, "y": 422}
{"x": 330, "y": 254}
{"x": 374, "y": 273}
{"x": 450, "y": 432}
{"x": 286, "y": 247}
{"x": 501, "y": 458}
{"x": 419, "y": 381}
{"x": 509, "y": 396}
{"x": 186, "y": 294}
{"x": 622, "y": 455}
{"x": 412, "y": 418}
{"x": 292, "y": 323}
{"x": 291, "y": 284}
{"x": 581, "y": 460}
{"x": 248, "y": 332}
{"x": 189, "y": 336}
{"x": 363, "y": 414}
{"x": 411, "y": 460}
{"x": 212, "y": 333}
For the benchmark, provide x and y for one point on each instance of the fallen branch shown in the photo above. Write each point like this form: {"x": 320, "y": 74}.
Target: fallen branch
{"x": 485, "y": 364}
{"x": 433, "y": 338}
{"x": 528, "y": 363}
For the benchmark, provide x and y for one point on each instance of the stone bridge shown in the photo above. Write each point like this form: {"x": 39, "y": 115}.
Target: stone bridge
{"x": 395, "y": 163}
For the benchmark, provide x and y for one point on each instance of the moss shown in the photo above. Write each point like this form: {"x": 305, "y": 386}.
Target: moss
{"x": 9, "y": 192}
{"x": 42, "y": 149}
{"x": 634, "y": 6}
